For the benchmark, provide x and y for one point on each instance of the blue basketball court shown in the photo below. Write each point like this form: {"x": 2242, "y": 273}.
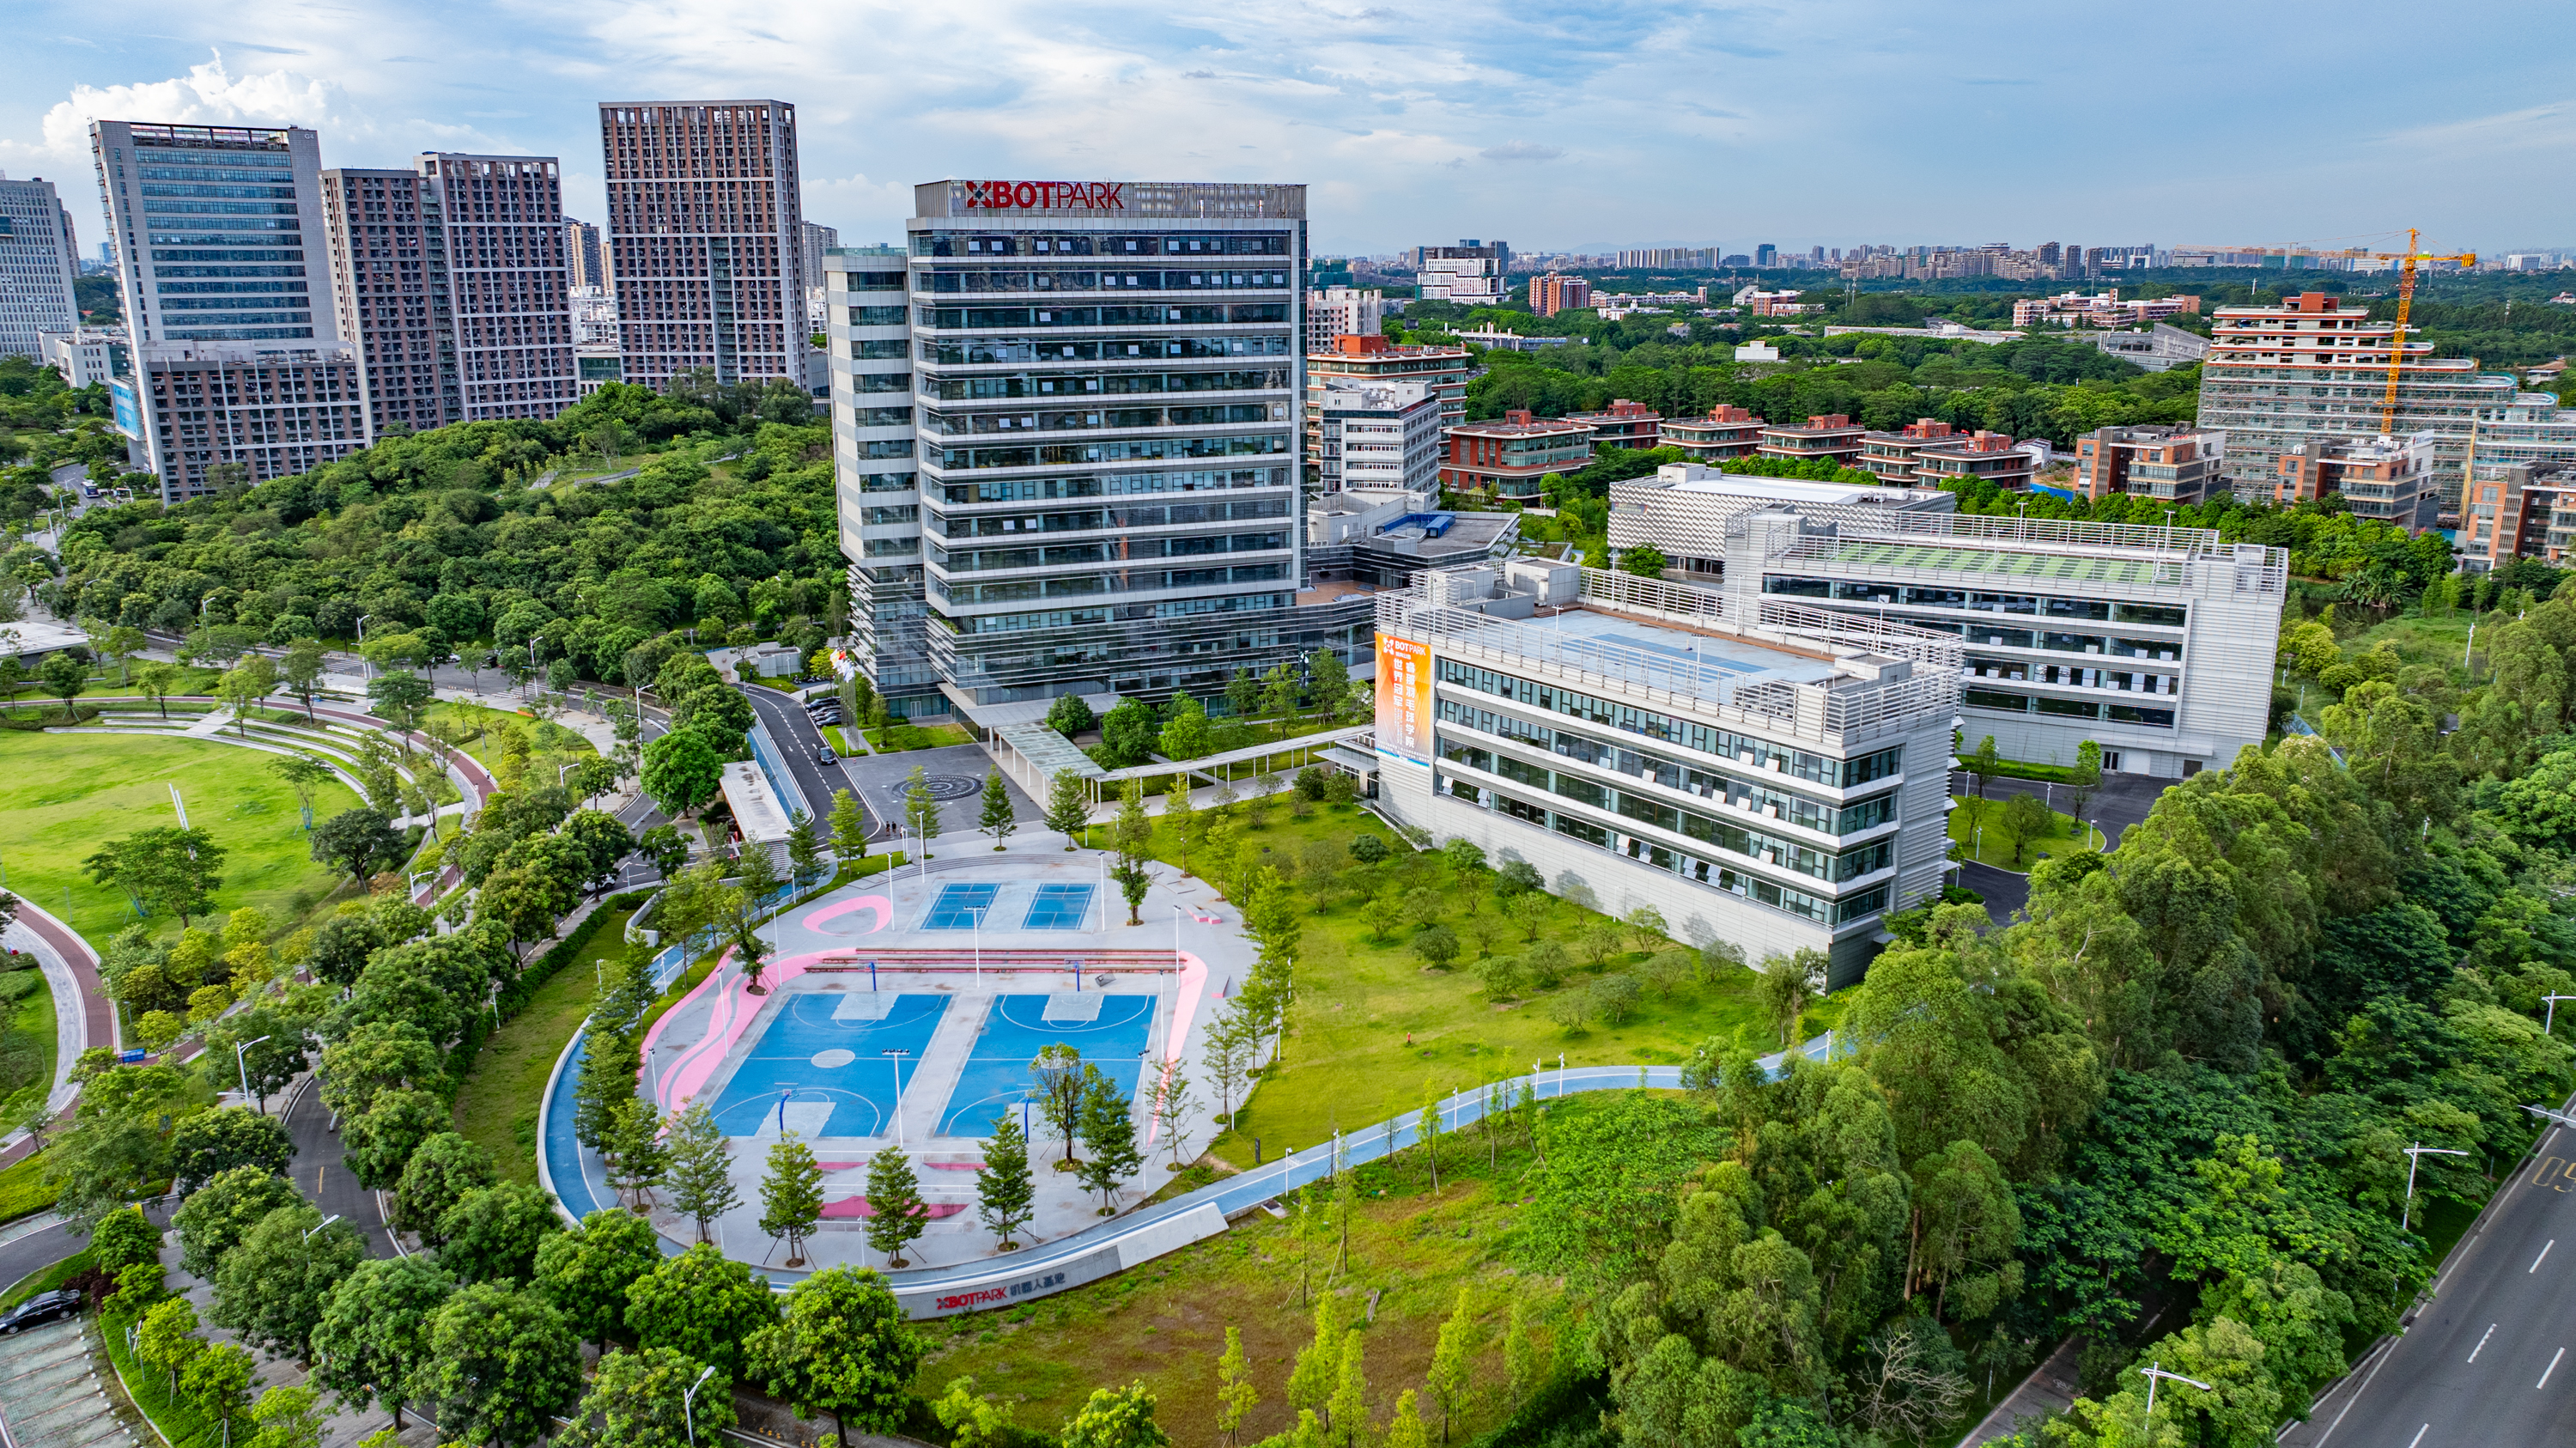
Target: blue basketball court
{"x": 1111, "y": 1032}
{"x": 960, "y": 907}
{"x": 829, "y": 1047}
{"x": 1058, "y": 907}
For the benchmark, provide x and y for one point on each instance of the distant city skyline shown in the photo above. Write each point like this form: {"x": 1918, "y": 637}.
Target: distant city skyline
{"x": 1659, "y": 124}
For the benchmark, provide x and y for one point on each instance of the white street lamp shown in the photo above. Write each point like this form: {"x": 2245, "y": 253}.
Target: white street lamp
{"x": 2152, "y": 1372}
{"x": 895, "y": 1055}
{"x": 2414, "y": 1158}
{"x": 2552, "y": 1023}
{"x": 239, "y": 1064}
{"x": 318, "y": 1226}
{"x": 689, "y": 1419}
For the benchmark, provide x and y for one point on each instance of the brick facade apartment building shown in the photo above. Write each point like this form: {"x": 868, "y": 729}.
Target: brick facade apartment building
{"x": 706, "y": 233}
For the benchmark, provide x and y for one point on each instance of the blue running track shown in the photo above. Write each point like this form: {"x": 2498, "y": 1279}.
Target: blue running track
{"x": 796, "y": 1046}
{"x": 997, "y": 1068}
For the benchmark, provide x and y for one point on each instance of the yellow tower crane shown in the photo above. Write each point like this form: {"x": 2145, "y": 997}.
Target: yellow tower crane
{"x": 2405, "y": 303}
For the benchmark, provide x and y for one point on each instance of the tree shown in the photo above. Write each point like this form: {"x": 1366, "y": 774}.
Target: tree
{"x": 64, "y": 678}
{"x": 703, "y": 1304}
{"x": 791, "y": 1196}
{"x": 398, "y": 697}
{"x": 1236, "y": 1396}
{"x": 842, "y": 1347}
{"x": 1233, "y": 1043}
{"x": 379, "y": 1143}
{"x": 998, "y": 817}
{"x": 644, "y": 1400}
{"x": 1279, "y": 695}
{"x": 287, "y": 1418}
{"x": 442, "y": 1170}
{"x": 1243, "y": 695}
{"x": 1005, "y": 1193}
{"x": 1071, "y": 714}
{"x": 158, "y": 680}
{"x": 681, "y": 771}
{"x": 121, "y": 644}
{"x": 1328, "y": 683}
{"x": 1983, "y": 765}
{"x": 272, "y": 1285}
{"x": 1453, "y": 1360}
{"x": 1059, "y": 1070}
{"x": 1116, "y": 1420}
{"x": 805, "y": 860}
{"x": 1185, "y": 730}
{"x": 215, "y": 1381}
{"x": 1109, "y": 1138}
{"x": 920, "y": 808}
{"x": 493, "y": 1233}
{"x": 1346, "y": 1413}
{"x": 374, "y": 1057}
{"x": 305, "y": 775}
{"x": 163, "y": 868}
{"x": 896, "y": 1213}
{"x": 1068, "y": 805}
{"x": 586, "y": 1272}
{"x": 1787, "y": 986}
{"x": 1172, "y": 1105}
{"x": 300, "y": 670}
{"x": 222, "y": 1212}
{"x": 244, "y": 685}
{"x": 1437, "y": 945}
{"x": 1645, "y": 561}
{"x": 502, "y": 1364}
{"x": 849, "y": 827}
{"x": 2022, "y": 820}
{"x": 124, "y": 1239}
{"x": 701, "y": 1179}
{"x": 167, "y": 1337}
{"x": 358, "y": 842}
{"x": 1128, "y": 734}
{"x": 231, "y": 1136}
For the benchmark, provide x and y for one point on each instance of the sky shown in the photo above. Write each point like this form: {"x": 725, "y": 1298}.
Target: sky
{"x": 1551, "y": 124}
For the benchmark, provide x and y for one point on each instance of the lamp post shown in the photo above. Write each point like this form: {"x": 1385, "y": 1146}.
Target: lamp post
{"x": 363, "y": 661}
{"x": 240, "y": 1065}
{"x": 2154, "y": 1371}
{"x": 979, "y": 945}
{"x": 2414, "y": 1157}
{"x": 2552, "y": 1023}
{"x": 318, "y": 1226}
{"x": 689, "y": 1419}
{"x": 895, "y": 1055}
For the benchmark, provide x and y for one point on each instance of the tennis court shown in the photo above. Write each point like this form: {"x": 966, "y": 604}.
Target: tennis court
{"x": 828, "y": 1048}
{"x": 1110, "y": 1030}
{"x": 1058, "y": 907}
{"x": 960, "y": 907}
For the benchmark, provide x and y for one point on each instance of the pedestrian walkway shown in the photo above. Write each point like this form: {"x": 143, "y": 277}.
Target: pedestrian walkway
{"x": 51, "y": 1395}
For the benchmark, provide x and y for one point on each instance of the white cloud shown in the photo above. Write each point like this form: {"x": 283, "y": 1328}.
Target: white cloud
{"x": 208, "y": 95}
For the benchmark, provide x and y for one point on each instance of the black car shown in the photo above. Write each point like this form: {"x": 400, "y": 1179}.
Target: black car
{"x": 828, "y": 716}
{"x": 40, "y": 1309}
{"x": 825, "y": 755}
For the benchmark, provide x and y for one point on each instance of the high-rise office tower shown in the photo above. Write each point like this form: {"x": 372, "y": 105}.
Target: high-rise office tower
{"x": 239, "y": 371}
{"x": 818, "y": 240}
{"x": 1069, "y": 414}
{"x": 450, "y": 280}
{"x": 37, "y": 252}
{"x": 585, "y": 256}
{"x": 706, "y": 237}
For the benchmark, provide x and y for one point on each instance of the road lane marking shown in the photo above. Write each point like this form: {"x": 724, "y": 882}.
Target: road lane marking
{"x": 2553, "y": 1367}
{"x": 2419, "y": 1435}
{"x": 2482, "y": 1342}
{"x": 2536, "y": 1261}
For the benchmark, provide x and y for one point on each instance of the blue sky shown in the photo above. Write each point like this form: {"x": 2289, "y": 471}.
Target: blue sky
{"x": 1553, "y": 125}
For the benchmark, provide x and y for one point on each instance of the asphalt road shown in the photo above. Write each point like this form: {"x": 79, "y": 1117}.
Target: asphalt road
{"x": 322, "y": 1174}
{"x": 2488, "y": 1358}
{"x": 798, "y": 741}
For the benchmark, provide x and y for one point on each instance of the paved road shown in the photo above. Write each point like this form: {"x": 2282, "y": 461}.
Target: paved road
{"x": 2488, "y": 1358}
{"x": 323, "y": 1175}
{"x": 798, "y": 741}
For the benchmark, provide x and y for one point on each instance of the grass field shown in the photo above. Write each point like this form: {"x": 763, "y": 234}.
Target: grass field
{"x": 1359, "y": 998}
{"x": 498, "y": 1105}
{"x": 2064, "y": 836}
{"x": 1164, "y": 1324}
{"x": 65, "y": 795}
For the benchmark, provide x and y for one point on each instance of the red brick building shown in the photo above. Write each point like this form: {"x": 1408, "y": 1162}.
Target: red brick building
{"x": 1831, "y": 435}
{"x": 1626, "y": 424}
{"x": 1506, "y": 459}
{"x": 1727, "y": 432}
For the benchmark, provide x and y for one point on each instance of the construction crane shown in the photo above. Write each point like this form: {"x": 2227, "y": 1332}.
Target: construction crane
{"x": 2405, "y": 303}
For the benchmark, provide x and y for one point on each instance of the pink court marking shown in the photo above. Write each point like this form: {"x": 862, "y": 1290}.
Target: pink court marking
{"x": 730, "y": 1016}
{"x": 1185, "y": 1006}
{"x": 883, "y": 907}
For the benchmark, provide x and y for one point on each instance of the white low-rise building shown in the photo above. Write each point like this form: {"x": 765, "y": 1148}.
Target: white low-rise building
{"x": 1380, "y": 436}
{"x": 87, "y": 355}
{"x": 2156, "y": 643}
{"x": 1774, "y": 775}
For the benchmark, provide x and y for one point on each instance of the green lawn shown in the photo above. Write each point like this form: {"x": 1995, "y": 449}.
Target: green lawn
{"x": 33, "y": 1019}
{"x": 895, "y": 738}
{"x": 498, "y": 1105}
{"x": 1357, "y": 998}
{"x": 2064, "y": 836}
{"x": 1164, "y": 1324}
{"x": 65, "y": 795}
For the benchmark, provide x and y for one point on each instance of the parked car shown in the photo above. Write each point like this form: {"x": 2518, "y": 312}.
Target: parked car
{"x": 825, "y": 755}
{"x": 40, "y": 1309}
{"x": 828, "y": 716}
